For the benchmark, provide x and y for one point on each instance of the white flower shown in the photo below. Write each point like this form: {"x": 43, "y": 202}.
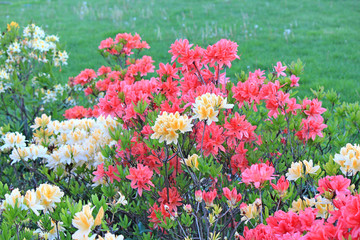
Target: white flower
{"x": 33, "y": 202}
{"x": 122, "y": 200}
{"x": 13, "y": 139}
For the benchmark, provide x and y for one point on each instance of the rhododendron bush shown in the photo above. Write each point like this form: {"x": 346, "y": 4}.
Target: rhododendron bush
{"x": 28, "y": 84}
{"x": 182, "y": 151}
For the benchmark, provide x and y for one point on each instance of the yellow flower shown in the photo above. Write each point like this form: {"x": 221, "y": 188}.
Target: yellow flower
{"x": 14, "y": 198}
{"x": 309, "y": 168}
{"x": 295, "y": 171}
{"x": 297, "y": 205}
{"x": 192, "y": 161}
{"x": 207, "y": 106}
{"x": 32, "y": 202}
{"x": 83, "y": 221}
{"x": 110, "y": 236}
{"x": 49, "y": 195}
{"x": 168, "y": 126}
{"x": 41, "y": 122}
{"x": 12, "y": 25}
{"x": 99, "y": 217}
{"x": 349, "y": 159}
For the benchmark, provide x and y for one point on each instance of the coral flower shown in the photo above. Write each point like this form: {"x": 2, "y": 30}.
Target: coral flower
{"x": 209, "y": 197}
{"x": 223, "y": 53}
{"x": 281, "y": 186}
{"x": 232, "y": 197}
{"x": 257, "y": 174}
{"x": 279, "y": 68}
{"x": 140, "y": 178}
{"x": 170, "y": 197}
{"x": 334, "y": 184}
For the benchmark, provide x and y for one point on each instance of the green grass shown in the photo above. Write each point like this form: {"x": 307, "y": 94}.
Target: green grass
{"x": 323, "y": 34}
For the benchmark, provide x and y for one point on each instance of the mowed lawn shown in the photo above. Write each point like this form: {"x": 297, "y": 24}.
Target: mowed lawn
{"x": 324, "y": 34}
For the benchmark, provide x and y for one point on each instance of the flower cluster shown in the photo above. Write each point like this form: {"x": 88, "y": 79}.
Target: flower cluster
{"x": 349, "y": 159}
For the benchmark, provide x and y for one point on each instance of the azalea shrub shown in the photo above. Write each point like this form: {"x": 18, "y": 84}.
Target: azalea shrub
{"x": 182, "y": 151}
{"x": 28, "y": 84}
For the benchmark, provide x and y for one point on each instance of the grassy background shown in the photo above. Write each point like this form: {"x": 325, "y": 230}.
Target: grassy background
{"x": 324, "y": 34}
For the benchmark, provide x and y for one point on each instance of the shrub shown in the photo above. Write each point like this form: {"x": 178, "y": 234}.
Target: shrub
{"x": 189, "y": 154}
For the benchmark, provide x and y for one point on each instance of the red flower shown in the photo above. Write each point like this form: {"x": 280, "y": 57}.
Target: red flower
{"x": 260, "y": 232}
{"x": 238, "y": 161}
{"x": 85, "y": 77}
{"x": 209, "y": 197}
{"x": 311, "y": 127}
{"x": 212, "y": 141}
{"x": 258, "y": 174}
{"x": 332, "y": 184}
{"x": 140, "y": 178}
{"x": 221, "y": 53}
{"x": 168, "y": 71}
{"x": 232, "y": 196}
{"x": 314, "y": 108}
{"x": 174, "y": 198}
{"x": 284, "y": 222}
{"x": 281, "y": 186}
{"x": 238, "y": 128}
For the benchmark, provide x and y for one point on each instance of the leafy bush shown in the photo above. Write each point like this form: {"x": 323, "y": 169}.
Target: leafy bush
{"x": 189, "y": 154}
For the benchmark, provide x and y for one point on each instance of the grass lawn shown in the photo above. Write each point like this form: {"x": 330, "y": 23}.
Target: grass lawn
{"x": 324, "y": 34}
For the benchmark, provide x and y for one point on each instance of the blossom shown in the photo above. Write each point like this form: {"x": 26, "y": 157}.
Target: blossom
{"x": 112, "y": 173}
{"x": 348, "y": 159}
{"x": 209, "y": 197}
{"x": 221, "y": 53}
{"x": 198, "y": 196}
{"x": 258, "y": 174}
{"x": 110, "y": 236}
{"x": 281, "y": 186}
{"x": 48, "y": 195}
{"x": 333, "y": 184}
{"x": 238, "y": 128}
{"x": 284, "y": 222}
{"x": 122, "y": 200}
{"x": 85, "y": 77}
{"x": 13, "y": 139}
{"x": 309, "y": 168}
{"x": 167, "y": 71}
{"x": 192, "y": 161}
{"x": 232, "y": 197}
{"x": 212, "y": 140}
{"x": 250, "y": 211}
{"x": 294, "y": 81}
{"x": 83, "y": 222}
{"x": 14, "y": 198}
{"x": 295, "y": 171}
{"x": 207, "y": 106}
{"x": 33, "y": 202}
{"x": 260, "y": 232}
{"x": 279, "y": 68}
{"x": 140, "y": 178}
{"x": 168, "y": 126}
{"x": 170, "y": 197}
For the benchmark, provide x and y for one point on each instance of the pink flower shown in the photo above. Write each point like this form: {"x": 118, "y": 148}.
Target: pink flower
{"x": 310, "y": 128}
{"x": 99, "y": 173}
{"x": 260, "y": 232}
{"x": 294, "y": 81}
{"x": 221, "y": 53}
{"x": 331, "y": 184}
{"x": 198, "y": 196}
{"x": 111, "y": 173}
{"x": 140, "y": 178}
{"x": 314, "y": 109}
{"x": 258, "y": 174}
{"x": 281, "y": 186}
{"x": 168, "y": 71}
{"x": 85, "y": 77}
{"x": 279, "y": 68}
{"x": 238, "y": 128}
{"x": 209, "y": 197}
{"x": 284, "y": 222}
{"x": 232, "y": 196}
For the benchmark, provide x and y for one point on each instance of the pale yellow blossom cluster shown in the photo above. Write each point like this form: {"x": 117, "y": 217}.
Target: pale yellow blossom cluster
{"x": 72, "y": 142}
{"x": 42, "y": 198}
{"x": 250, "y": 211}
{"x": 349, "y": 159}
{"x": 192, "y": 161}
{"x": 84, "y": 222}
{"x": 323, "y": 205}
{"x": 12, "y": 140}
{"x": 168, "y": 126}
{"x": 297, "y": 170}
{"x": 207, "y": 106}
